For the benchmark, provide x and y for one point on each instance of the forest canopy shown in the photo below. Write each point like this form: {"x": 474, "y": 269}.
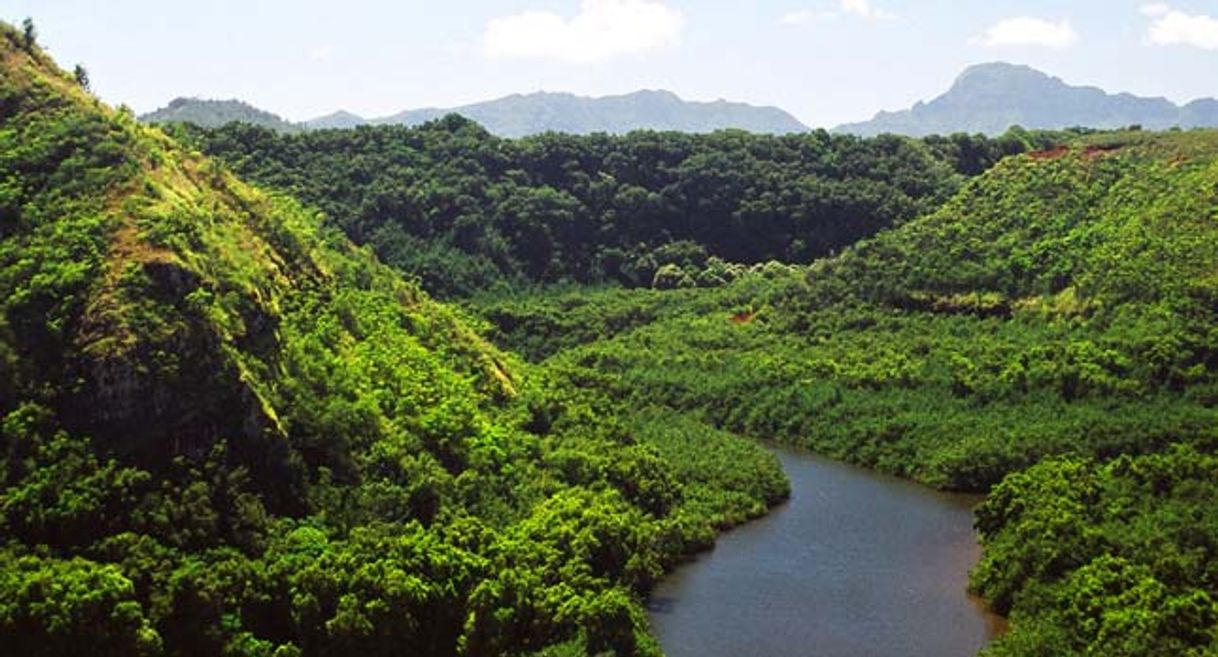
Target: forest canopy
{"x": 1046, "y": 337}
{"x": 465, "y": 211}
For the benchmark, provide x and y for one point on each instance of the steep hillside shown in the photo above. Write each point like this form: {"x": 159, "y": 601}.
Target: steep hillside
{"x": 1046, "y": 336}
{"x": 226, "y": 430}
{"x": 216, "y": 113}
{"x": 990, "y": 98}
{"x": 1118, "y": 220}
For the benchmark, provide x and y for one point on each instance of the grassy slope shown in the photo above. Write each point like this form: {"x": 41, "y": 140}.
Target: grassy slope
{"x": 225, "y": 429}
{"x": 166, "y": 272}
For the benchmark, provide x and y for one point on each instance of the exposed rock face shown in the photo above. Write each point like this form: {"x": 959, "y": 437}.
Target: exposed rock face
{"x": 172, "y": 391}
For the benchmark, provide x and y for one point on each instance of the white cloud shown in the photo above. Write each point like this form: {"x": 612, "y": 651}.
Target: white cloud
{"x": 1171, "y": 27}
{"x": 858, "y": 8}
{"x": 321, "y": 53}
{"x": 603, "y": 29}
{"x": 1028, "y": 31}
{"x": 863, "y": 8}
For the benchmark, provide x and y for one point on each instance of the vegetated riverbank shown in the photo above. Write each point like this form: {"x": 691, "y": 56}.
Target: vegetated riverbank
{"x": 855, "y": 564}
{"x": 1046, "y": 336}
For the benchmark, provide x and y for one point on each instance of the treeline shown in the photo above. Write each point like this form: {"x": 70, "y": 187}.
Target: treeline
{"x": 465, "y": 211}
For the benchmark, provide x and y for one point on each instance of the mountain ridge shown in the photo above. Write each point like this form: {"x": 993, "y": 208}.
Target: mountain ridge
{"x": 213, "y": 113}
{"x": 992, "y": 97}
{"x": 520, "y": 115}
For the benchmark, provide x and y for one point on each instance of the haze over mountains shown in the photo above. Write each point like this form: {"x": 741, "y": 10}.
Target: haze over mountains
{"x": 216, "y": 113}
{"x": 527, "y": 114}
{"x": 990, "y": 98}
{"x": 986, "y": 98}
{"x": 524, "y": 114}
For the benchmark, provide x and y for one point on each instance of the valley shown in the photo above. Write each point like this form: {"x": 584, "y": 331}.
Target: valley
{"x": 431, "y": 391}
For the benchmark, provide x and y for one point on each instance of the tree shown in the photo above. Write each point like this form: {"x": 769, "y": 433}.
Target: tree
{"x": 55, "y": 607}
{"x": 671, "y": 277}
{"x": 29, "y": 34}
{"x": 82, "y": 76}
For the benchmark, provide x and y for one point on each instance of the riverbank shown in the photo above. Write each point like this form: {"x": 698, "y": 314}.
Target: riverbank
{"x": 856, "y": 563}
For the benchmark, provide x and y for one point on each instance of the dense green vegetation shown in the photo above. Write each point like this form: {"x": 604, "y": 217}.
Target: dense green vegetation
{"x": 1058, "y": 314}
{"x": 1114, "y": 558}
{"x": 226, "y": 430}
{"x": 465, "y": 211}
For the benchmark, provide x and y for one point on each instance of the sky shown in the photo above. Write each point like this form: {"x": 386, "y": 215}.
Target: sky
{"x": 825, "y": 61}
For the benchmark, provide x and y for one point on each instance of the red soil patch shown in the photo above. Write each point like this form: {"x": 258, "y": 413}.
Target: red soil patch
{"x": 742, "y": 318}
{"x": 1093, "y": 152}
{"x": 1060, "y": 151}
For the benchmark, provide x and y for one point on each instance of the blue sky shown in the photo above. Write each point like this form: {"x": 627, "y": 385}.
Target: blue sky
{"x": 826, "y": 61}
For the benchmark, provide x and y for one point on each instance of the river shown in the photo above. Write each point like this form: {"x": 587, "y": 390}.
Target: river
{"x": 857, "y": 564}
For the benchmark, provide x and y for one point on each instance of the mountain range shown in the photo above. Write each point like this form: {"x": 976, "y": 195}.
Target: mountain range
{"x": 990, "y": 98}
{"x": 520, "y": 115}
{"x": 986, "y": 98}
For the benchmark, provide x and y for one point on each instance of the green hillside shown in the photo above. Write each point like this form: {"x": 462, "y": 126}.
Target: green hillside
{"x": 465, "y": 211}
{"x": 226, "y": 430}
{"x": 1046, "y": 336}
{"x": 229, "y": 426}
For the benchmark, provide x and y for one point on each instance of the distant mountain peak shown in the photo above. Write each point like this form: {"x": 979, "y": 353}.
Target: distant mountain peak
{"x": 1001, "y": 73}
{"x": 1001, "y": 68}
{"x": 211, "y": 113}
{"x": 339, "y": 119}
{"x": 655, "y": 93}
{"x": 992, "y": 97}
